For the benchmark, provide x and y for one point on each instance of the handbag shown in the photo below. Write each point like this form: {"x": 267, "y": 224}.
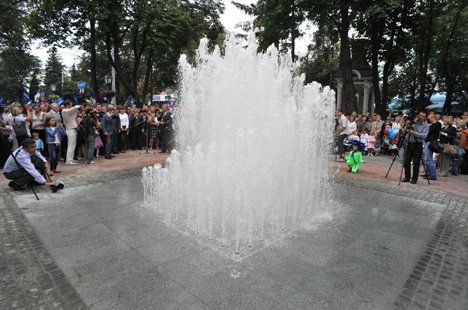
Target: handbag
{"x": 450, "y": 149}
{"x": 436, "y": 147}
{"x": 20, "y": 129}
{"x": 98, "y": 142}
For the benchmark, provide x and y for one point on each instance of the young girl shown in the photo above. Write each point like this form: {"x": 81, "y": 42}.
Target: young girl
{"x": 54, "y": 140}
{"x": 378, "y": 145}
{"x": 370, "y": 145}
{"x": 365, "y": 139}
{"x": 354, "y": 158}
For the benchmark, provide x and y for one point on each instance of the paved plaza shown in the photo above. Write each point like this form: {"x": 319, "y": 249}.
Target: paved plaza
{"x": 94, "y": 246}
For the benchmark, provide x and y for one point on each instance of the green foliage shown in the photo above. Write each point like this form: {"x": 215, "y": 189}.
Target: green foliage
{"x": 53, "y": 72}
{"x": 322, "y": 60}
{"x": 16, "y": 67}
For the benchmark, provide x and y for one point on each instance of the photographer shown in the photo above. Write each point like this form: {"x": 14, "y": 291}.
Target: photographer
{"x": 26, "y": 166}
{"x": 415, "y": 136}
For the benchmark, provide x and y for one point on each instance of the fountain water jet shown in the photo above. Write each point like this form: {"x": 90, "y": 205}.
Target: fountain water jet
{"x": 254, "y": 141}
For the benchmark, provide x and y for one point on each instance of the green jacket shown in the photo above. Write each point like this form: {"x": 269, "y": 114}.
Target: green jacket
{"x": 354, "y": 159}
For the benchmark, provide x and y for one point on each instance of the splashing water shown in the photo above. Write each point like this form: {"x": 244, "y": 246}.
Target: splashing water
{"x": 254, "y": 143}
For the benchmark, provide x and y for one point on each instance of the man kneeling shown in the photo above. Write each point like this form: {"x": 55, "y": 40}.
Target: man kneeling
{"x": 26, "y": 166}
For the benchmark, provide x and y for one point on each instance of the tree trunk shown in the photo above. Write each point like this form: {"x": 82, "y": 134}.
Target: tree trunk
{"x": 293, "y": 39}
{"x": 93, "y": 64}
{"x": 447, "y": 109}
{"x": 424, "y": 58}
{"x": 375, "y": 49}
{"x": 387, "y": 71}
{"x": 149, "y": 70}
{"x": 348, "y": 99}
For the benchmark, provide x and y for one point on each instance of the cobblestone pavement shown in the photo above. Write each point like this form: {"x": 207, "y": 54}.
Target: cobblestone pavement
{"x": 438, "y": 280}
{"x": 30, "y": 279}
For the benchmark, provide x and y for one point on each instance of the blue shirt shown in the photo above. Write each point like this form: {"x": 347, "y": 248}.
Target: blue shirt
{"x": 39, "y": 144}
{"x": 24, "y": 159}
{"x": 421, "y": 129}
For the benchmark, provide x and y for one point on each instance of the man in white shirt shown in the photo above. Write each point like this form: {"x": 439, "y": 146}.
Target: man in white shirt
{"x": 69, "y": 114}
{"x": 341, "y": 132}
{"x": 26, "y": 166}
{"x": 124, "y": 124}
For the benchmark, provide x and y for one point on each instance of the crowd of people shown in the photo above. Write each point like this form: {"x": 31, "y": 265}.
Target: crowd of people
{"x": 70, "y": 133}
{"x": 439, "y": 141}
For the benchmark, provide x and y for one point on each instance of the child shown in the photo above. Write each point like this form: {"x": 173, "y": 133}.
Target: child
{"x": 39, "y": 143}
{"x": 365, "y": 139}
{"x": 378, "y": 144}
{"x": 370, "y": 145}
{"x": 354, "y": 158}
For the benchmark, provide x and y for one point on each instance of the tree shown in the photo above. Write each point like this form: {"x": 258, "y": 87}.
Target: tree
{"x": 322, "y": 59}
{"x": 16, "y": 68}
{"x": 276, "y": 22}
{"x": 53, "y": 71}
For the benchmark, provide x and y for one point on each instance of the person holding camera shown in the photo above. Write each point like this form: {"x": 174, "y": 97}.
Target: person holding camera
{"x": 415, "y": 135}
{"x": 26, "y": 166}
{"x": 69, "y": 115}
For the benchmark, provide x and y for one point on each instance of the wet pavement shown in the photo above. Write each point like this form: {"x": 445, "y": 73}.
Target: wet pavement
{"x": 385, "y": 247}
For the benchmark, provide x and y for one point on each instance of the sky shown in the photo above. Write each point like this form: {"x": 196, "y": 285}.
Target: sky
{"x": 230, "y": 18}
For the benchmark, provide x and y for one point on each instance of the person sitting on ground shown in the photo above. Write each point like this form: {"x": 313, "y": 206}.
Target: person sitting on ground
{"x": 354, "y": 158}
{"x": 26, "y": 166}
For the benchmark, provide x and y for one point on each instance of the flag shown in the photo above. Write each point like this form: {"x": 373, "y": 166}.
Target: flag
{"x": 75, "y": 100}
{"x": 59, "y": 101}
{"x": 132, "y": 103}
{"x": 26, "y": 96}
{"x": 1, "y": 100}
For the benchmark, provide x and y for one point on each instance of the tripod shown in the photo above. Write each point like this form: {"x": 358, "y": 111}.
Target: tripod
{"x": 397, "y": 155}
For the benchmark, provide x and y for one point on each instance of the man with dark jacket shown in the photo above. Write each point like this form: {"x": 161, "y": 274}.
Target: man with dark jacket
{"x": 414, "y": 149}
{"x": 166, "y": 129}
{"x": 108, "y": 128}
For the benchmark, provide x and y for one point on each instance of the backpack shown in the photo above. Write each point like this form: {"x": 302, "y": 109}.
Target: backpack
{"x": 20, "y": 129}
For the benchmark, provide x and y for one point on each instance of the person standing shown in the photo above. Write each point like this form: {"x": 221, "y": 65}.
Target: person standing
{"x": 132, "y": 117}
{"x": 341, "y": 132}
{"x": 38, "y": 122}
{"x": 448, "y": 134}
{"x": 69, "y": 114}
{"x": 90, "y": 125}
{"x": 414, "y": 149}
{"x": 19, "y": 125}
{"x": 124, "y": 125}
{"x": 166, "y": 128}
{"x": 108, "y": 129}
{"x": 116, "y": 134}
{"x": 432, "y": 135}
{"x": 54, "y": 136}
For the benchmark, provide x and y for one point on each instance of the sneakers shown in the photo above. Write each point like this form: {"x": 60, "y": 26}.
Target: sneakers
{"x": 71, "y": 163}
{"x": 89, "y": 162}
